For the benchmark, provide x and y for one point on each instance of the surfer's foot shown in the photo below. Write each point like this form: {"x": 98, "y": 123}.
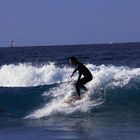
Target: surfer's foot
{"x": 77, "y": 97}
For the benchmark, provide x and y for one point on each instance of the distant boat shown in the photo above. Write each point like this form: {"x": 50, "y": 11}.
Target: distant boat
{"x": 111, "y": 42}
{"x": 12, "y": 43}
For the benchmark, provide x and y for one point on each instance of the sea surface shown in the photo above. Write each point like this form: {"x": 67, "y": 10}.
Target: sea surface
{"x": 35, "y": 84}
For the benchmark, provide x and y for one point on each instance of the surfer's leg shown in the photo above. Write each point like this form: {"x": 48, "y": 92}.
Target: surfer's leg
{"x": 83, "y": 81}
{"x": 80, "y": 84}
{"x": 78, "y": 88}
{"x": 84, "y": 88}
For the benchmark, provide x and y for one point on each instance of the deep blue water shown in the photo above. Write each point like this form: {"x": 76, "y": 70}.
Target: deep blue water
{"x": 34, "y": 84}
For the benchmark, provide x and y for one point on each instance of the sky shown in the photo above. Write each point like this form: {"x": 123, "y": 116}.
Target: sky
{"x": 65, "y": 22}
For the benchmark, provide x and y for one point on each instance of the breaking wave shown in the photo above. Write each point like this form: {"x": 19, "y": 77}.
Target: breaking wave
{"x": 105, "y": 78}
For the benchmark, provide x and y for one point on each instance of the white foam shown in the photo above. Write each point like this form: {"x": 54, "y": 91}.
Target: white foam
{"x": 103, "y": 76}
{"x": 25, "y": 75}
{"x": 58, "y": 104}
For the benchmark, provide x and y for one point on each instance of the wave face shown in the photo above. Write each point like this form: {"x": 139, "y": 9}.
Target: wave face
{"x": 42, "y": 91}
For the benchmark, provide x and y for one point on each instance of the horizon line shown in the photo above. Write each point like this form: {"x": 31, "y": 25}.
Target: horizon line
{"x": 78, "y": 44}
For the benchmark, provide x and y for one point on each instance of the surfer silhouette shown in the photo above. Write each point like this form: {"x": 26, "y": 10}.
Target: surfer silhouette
{"x": 83, "y": 70}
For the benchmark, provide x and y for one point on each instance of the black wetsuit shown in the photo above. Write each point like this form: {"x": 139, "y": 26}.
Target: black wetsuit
{"x": 87, "y": 77}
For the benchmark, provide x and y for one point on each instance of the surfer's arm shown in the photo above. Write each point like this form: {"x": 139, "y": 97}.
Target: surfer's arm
{"x": 74, "y": 71}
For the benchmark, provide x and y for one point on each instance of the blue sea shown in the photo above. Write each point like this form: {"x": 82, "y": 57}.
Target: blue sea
{"x": 35, "y": 84}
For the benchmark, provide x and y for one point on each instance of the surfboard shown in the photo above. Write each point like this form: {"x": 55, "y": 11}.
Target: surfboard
{"x": 73, "y": 99}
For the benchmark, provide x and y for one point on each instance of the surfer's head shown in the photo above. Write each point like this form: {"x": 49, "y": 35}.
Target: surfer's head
{"x": 73, "y": 60}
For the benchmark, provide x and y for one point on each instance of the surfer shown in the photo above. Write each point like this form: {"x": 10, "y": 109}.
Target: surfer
{"x": 83, "y": 70}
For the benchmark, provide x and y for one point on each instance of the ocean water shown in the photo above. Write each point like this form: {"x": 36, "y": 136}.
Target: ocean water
{"x": 35, "y": 83}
